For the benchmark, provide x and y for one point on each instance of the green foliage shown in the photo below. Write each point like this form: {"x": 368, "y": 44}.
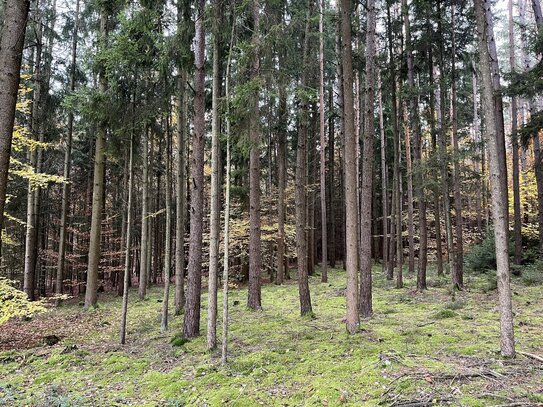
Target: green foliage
{"x": 532, "y": 275}
{"x": 445, "y": 313}
{"x": 15, "y": 303}
{"x": 178, "y": 340}
{"x": 482, "y": 257}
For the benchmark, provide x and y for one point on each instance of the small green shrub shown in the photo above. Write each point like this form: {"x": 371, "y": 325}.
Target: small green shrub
{"x": 178, "y": 340}
{"x": 482, "y": 257}
{"x": 533, "y": 275}
{"x": 444, "y": 314}
{"x": 491, "y": 284}
{"x": 455, "y": 305}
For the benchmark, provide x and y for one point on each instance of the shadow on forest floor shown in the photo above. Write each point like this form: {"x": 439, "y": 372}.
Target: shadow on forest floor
{"x": 417, "y": 350}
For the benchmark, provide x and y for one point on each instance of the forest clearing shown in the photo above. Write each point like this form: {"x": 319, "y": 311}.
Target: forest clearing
{"x": 417, "y": 348}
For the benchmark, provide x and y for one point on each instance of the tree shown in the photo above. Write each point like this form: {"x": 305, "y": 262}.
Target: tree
{"x": 365, "y": 300}
{"x": 499, "y": 200}
{"x": 191, "y": 322}
{"x": 91, "y": 293}
{"x": 351, "y": 206}
{"x": 215, "y": 188}
{"x": 254, "y": 300}
{"x": 11, "y": 53}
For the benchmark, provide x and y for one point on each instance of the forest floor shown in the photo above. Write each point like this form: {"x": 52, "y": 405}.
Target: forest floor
{"x": 417, "y": 350}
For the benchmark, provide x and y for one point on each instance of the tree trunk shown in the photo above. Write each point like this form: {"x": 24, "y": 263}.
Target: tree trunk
{"x": 384, "y": 181}
{"x": 11, "y": 53}
{"x": 215, "y": 222}
{"x": 365, "y": 299}
{"x": 144, "y": 217}
{"x": 168, "y": 229}
{"x": 458, "y": 271}
{"x": 254, "y": 300}
{"x": 499, "y": 200}
{"x": 281, "y": 174}
{"x": 301, "y": 170}
{"x": 517, "y": 224}
{"x": 191, "y": 323}
{"x": 349, "y": 162}
{"x": 322, "y": 172}
{"x": 128, "y": 239}
{"x": 331, "y": 182}
{"x": 91, "y": 294}
{"x": 67, "y": 165}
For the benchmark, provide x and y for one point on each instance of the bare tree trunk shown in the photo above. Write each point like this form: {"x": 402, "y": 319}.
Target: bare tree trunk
{"x": 11, "y": 53}
{"x": 477, "y": 140}
{"x": 499, "y": 200}
{"x": 458, "y": 271}
{"x": 224, "y": 348}
{"x": 168, "y": 231}
{"x": 365, "y": 299}
{"x": 281, "y": 174}
{"x": 417, "y": 154}
{"x": 91, "y": 292}
{"x": 324, "y": 224}
{"x": 517, "y": 224}
{"x": 191, "y": 323}
{"x": 331, "y": 182}
{"x": 351, "y": 210}
{"x": 128, "y": 239}
{"x": 384, "y": 180}
{"x": 67, "y": 166}
{"x": 183, "y": 17}
{"x": 215, "y": 221}
{"x": 301, "y": 193}
{"x": 144, "y": 217}
{"x": 254, "y": 300}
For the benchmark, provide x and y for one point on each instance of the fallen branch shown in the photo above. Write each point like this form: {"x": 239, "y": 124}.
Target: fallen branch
{"x": 531, "y": 356}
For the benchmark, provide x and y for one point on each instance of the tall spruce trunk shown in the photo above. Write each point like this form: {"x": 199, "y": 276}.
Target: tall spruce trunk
{"x": 331, "y": 182}
{"x": 144, "y": 253}
{"x": 128, "y": 239}
{"x": 384, "y": 181}
{"x": 417, "y": 154}
{"x": 499, "y": 200}
{"x": 517, "y": 223}
{"x": 168, "y": 230}
{"x": 11, "y": 53}
{"x": 350, "y": 170}
{"x": 365, "y": 299}
{"x": 322, "y": 172}
{"x": 301, "y": 173}
{"x": 254, "y": 300}
{"x": 67, "y": 164}
{"x": 191, "y": 322}
{"x": 458, "y": 272}
{"x": 91, "y": 292}
{"x": 281, "y": 174}
{"x": 215, "y": 222}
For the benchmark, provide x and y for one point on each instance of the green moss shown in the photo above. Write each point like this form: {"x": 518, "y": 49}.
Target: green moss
{"x": 445, "y": 313}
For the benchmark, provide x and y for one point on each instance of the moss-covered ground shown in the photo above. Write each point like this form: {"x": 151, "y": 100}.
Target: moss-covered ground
{"x": 417, "y": 348}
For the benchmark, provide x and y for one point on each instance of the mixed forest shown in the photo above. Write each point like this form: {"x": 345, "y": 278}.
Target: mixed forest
{"x": 271, "y": 202}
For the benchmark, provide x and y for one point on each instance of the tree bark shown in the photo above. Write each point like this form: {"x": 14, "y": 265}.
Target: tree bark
{"x": 11, "y": 53}
{"x": 349, "y": 162}
{"x": 365, "y": 299}
{"x": 384, "y": 181}
{"x": 324, "y": 224}
{"x": 215, "y": 187}
{"x": 191, "y": 323}
{"x": 499, "y": 200}
{"x": 91, "y": 292}
{"x": 67, "y": 165}
{"x": 254, "y": 300}
{"x": 168, "y": 229}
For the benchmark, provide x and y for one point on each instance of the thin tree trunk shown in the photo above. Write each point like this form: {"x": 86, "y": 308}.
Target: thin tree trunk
{"x": 91, "y": 294}
{"x": 324, "y": 224}
{"x": 281, "y": 174}
{"x": 128, "y": 239}
{"x": 517, "y": 224}
{"x": 167, "y": 233}
{"x": 365, "y": 299}
{"x": 224, "y": 348}
{"x": 349, "y": 162}
{"x": 417, "y": 154}
{"x": 331, "y": 182}
{"x": 144, "y": 217}
{"x": 458, "y": 271}
{"x": 254, "y": 300}
{"x": 499, "y": 200}
{"x": 384, "y": 181}
{"x": 67, "y": 166}
{"x": 191, "y": 323}
{"x": 301, "y": 193}
{"x": 215, "y": 188}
